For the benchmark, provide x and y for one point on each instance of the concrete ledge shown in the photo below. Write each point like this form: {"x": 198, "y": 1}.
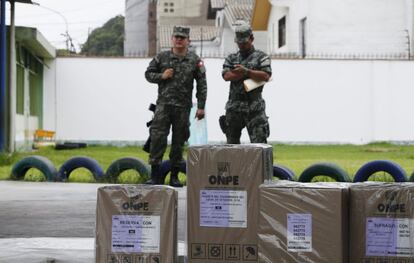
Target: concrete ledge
{"x": 80, "y": 250}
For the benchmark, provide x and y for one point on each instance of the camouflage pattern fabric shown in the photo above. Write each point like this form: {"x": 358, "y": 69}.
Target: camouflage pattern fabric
{"x": 178, "y": 90}
{"x": 174, "y": 102}
{"x": 167, "y": 116}
{"x": 247, "y": 109}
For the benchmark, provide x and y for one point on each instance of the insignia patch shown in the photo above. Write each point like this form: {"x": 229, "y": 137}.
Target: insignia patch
{"x": 200, "y": 65}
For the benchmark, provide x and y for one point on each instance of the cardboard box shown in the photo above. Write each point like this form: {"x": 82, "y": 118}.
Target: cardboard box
{"x": 303, "y": 222}
{"x": 222, "y": 201}
{"x": 382, "y": 223}
{"x": 136, "y": 224}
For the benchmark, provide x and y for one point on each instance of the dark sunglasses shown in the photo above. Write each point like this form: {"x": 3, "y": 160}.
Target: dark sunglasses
{"x": 180, "y": 37}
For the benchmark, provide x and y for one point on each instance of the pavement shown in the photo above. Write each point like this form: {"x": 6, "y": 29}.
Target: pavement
{"x": 55, "y": 222}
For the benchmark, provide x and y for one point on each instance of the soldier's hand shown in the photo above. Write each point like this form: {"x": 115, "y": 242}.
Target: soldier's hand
{"x": 240, "y": 69}
{"x": 200, "y": 114}
{"x": 168, "y": 73}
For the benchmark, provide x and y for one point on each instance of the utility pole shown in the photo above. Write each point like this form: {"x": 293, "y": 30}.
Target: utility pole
{"x": 201, "y": 48}
{"x": 12, "y": 82}
{"x": 2, "y": 74}
{"x": 69, "y": 44}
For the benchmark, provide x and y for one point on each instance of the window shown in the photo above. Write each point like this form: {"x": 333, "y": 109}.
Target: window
{"x": 282, "y": 32}
{"x": 168, "y": 7}
{"x": 211, "y": 13}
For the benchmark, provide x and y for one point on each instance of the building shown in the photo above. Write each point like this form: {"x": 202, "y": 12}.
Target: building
{"x": 140, "y": 28}
{"x": 211, "y": 24}
{"x": 228, "y": 12}
{"x": 34, "y": 54}
{"x": 335, "y": 28}
{"x": 197, "y": 15}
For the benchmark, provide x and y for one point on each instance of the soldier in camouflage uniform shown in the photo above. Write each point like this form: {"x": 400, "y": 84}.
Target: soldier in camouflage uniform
{"x": 174, "y": 71}
{"x": 246, "y": 109}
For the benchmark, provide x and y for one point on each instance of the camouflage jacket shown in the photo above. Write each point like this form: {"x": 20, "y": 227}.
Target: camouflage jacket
{"x": 178, "y": 90}
{"x": 239, "y": 99}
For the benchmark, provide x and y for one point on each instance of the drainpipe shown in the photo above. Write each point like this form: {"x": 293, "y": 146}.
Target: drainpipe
{"x": 12, "y": 82}
{"x": 2, "y": 75}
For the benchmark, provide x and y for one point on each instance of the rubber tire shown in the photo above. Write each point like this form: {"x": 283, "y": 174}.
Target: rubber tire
{"x": 283, "y": 173}
{"x": 412, "y": 177}
{"x": 327, "y": 169}
{"x": 35, "y": 161}
{"x": 80, "y": 162}
{"x": 70, "y": 146}
{"x": 127, "y": 163}
{"x": 165, "y": 168}
{"x": 392, "y": 168}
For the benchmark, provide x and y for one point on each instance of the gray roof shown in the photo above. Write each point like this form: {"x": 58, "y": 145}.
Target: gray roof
{"x": 239, "y": 11}
{"x": 32, "y": 39}
{"x": 220, "y": 4}
{"x": 165, "y": 33}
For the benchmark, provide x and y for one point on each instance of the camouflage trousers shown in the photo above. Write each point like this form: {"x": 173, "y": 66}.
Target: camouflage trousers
{"x": 255, "y": 122}
{"x": 177, "y": 118}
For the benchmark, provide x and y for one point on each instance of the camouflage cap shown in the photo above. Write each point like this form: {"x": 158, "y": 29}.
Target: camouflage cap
{"x": 243, "y": 32}
{"x": 181, "y": 31}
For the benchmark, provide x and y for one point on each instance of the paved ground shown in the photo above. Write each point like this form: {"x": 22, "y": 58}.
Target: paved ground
{"x": 42, "y": 222}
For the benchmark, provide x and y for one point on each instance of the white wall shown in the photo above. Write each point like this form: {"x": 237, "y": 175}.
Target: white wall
{"x": 313, "y": 101}
{"x": 50, "y": 95}
{"x": 136, "y": 28}
{"x": 346, "y": 26}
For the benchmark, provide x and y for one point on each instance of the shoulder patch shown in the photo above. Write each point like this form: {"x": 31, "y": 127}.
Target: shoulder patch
{"x": 200, "y": 66}
{"x": 200, "y": 63}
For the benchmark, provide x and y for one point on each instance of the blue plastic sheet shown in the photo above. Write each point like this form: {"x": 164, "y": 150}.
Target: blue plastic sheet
{"x": 198, "y": 129}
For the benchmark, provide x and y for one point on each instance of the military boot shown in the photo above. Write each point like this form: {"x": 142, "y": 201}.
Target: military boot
{"x": 174, "y": 182}
{"x": 155, "y": 175}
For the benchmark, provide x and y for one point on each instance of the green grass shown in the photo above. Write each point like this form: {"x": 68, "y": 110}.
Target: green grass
{"x": 295, "y": 157}
{"x": 348, "y": 157}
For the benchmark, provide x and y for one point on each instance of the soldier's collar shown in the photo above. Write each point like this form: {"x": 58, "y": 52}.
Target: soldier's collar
{"x": 247, "y": 53}
{"x": 173, "y": 55}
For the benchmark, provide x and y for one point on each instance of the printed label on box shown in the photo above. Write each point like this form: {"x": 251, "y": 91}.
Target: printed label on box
{"x": 135, "y": 233}
{"x": 390, "y": 237}
{"x": 299, "y": 232}
{"x": 223, "y": 208}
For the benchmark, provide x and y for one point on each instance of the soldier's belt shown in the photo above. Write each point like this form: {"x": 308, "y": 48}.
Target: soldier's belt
{"x": 247, "y": 97}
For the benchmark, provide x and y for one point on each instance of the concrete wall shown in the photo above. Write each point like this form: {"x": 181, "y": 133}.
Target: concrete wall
{"x": 350, "y": 26}
{"x": 312, "y": 101}
{"x": 136, "y": 28}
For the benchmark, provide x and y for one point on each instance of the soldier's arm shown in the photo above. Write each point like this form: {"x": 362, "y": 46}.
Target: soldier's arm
{"x": 228, "y": 73}
{"x": 200, "y": 77}
{"x": 153, "y": 73}
{"x": 232, "y": 76}
{"x": 264, "y": 71}
{"x": 257, "y": 75}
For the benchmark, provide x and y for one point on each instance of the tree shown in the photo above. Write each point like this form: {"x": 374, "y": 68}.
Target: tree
{"x": 107, "y": 40}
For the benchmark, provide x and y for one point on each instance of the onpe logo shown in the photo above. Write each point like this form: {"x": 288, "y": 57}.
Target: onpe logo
{"x": 391, "y": 205}
{"x": 223, "y": 168}
{"x": 390, "y": 195}
{"x": 135, "y": 204}
{"x": 223, "y": 176}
